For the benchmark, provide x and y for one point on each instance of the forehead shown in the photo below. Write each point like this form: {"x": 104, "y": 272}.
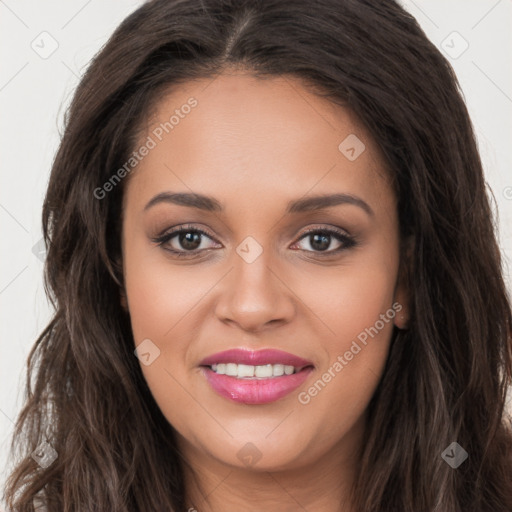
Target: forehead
{"x": 254, "y": 140}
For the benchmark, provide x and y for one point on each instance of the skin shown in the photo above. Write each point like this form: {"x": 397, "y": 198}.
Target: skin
{"x": 254, "y": 145}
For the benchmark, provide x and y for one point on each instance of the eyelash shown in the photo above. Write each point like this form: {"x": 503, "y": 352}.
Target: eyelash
{"x": 347, "y": 241}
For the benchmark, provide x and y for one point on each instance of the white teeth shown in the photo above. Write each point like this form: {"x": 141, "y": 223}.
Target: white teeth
{"x": 246, "y": 370}
{"x": 264, "y": 371}
{"x": 249, "y": 371}
{"x": 278, "y": 370}
{"x": 220, "y": 368}
{"x": 231, "y": 369}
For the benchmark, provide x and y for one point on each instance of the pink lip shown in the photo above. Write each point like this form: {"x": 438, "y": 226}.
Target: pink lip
{"x": 255, "y": 391}
{"x": 259, "y": 357}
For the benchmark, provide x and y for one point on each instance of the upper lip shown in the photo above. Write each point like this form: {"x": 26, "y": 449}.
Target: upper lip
{"x": 255, "y": 358}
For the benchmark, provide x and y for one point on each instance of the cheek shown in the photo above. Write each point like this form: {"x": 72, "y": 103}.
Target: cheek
{"x": 358, "y": 310}
{"x": 159, "y": 293}
{"x": 350, "y": 300}
{"x": 356, "y": 313}
{"x": 161, "y": 299}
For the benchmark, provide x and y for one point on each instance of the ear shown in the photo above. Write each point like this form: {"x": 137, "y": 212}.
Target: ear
{"x": 402, "y": 296}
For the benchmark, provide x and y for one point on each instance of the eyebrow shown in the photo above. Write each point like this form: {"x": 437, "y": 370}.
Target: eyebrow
{"x": 210, "y": 204}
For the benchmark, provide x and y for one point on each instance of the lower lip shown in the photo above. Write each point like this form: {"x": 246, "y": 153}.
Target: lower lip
{"x": 255, "y": 391}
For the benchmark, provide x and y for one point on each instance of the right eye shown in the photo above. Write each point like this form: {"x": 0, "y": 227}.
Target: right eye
{"x": 185, "y": 241}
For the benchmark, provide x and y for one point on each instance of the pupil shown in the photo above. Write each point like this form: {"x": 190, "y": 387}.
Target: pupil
{"x": 190, "y": 240}
{"x": 323, "y": 241}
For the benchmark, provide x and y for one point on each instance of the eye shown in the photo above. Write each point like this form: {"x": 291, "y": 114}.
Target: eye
{"x": 183, "y": 241}
{"x": 320, "y": 239}
{"x": 187, "y": 241}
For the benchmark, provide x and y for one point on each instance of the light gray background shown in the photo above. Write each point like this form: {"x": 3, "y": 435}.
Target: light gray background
{"x": 34, "y": 92}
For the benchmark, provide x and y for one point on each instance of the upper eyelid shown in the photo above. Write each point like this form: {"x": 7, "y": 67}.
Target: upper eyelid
{"x": 187, "y": 227}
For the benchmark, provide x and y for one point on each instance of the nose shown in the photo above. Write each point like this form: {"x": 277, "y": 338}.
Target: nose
{"x": 255, "y": 296}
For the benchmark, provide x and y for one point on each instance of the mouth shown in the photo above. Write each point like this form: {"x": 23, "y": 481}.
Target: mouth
{"x": 255, "y": 377}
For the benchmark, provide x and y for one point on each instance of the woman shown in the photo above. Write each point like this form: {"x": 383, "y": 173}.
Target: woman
{"x": 276, "y": 280}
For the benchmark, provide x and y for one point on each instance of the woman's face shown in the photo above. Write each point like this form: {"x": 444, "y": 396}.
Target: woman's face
{"x": 264, "y": 152}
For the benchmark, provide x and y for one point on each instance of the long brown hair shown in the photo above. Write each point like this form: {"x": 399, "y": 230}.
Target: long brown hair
{"x": 446, "y": 376}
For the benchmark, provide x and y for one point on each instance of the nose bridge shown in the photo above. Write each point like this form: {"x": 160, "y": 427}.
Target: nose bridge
{"x": 253, "y": 279}
{"x": 253, "y": 268}
{"x": 254, "y": 295}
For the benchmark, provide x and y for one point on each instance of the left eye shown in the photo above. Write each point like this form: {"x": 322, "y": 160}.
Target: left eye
{"x": 320, "y": 240}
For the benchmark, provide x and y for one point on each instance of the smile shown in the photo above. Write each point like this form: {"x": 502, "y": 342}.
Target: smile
{"x": 273, "y": 374}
